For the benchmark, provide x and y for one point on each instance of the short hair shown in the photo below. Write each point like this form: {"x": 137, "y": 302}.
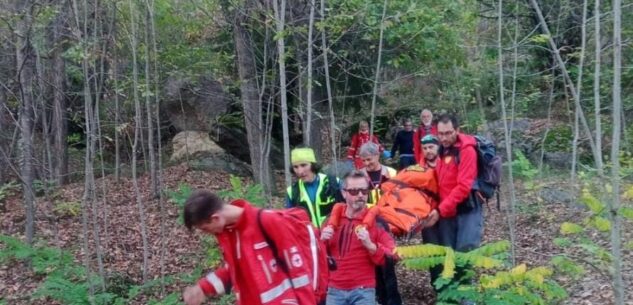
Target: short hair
{"x": 355, "y": 174}
{"x": 447, "y": 117}
{"x": 369, "y": 149}
{"x": 426, "y": 110}
{"x": 363, "y": 122}
{"x": 407, "y": 120}
{"x": 200, "y": 206}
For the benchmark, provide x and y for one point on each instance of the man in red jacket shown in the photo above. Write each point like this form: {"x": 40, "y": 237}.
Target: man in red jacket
{"x": 461, "y": 219}
{"x": 426, "y": 128}
{"x": 357, "y": 248}
{"x": 250, "y": 267}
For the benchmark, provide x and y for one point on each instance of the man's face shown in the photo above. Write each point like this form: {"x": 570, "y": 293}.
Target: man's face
{"x": 408, "y": 126}
{"x": 214, "y": 225}
{"x": 303, "y": 171}
{"x": 371, "y": 162}
{"x": 355, "y": 193}
{"x": 363, "y": 127}
{"x": 430, "y": 151}
{"x": 447, "y": 134}
{"x": 426, "y": 117}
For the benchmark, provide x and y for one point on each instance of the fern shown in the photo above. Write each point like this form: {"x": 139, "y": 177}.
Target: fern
{"x": 251, "y": 193}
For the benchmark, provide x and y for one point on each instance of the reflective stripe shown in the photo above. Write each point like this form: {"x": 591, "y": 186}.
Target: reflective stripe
{"x": 314, "y": 208}
{"x": 313, "y": 251}
{"x": 216, "y": 282}
{"x": 280, "y": 289}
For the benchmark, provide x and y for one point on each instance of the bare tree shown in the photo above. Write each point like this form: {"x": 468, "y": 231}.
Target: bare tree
{"x": 137, "y": 132}
{"x": 616, "y": 238}
{"x": 328, "y": 87}
{"x": 150, "y": 113}
{"x": 378, "y": 66}
{"x": 24, "y": 60}
{"x": 309, "y": 95}
{"x": 506, "y": 129}
{"x": 251, "y": 105}
{"x": 596, "y": 88}
{"x": 280, "y": 19}
{"x": 58, "y": 121}
{"x": 581, "y": 62}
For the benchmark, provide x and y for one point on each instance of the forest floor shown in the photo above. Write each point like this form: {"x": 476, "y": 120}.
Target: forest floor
{"x": 537, "y": 225}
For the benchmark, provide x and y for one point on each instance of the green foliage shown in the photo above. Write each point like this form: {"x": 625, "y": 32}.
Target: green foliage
{"x": 6, "y": 190}
{"x": 67, "y": 208}
{"x": 41, "y": 187}
{"x": 559, "y": 138}
{"x": 179, "y": 197}
{"x": 251, "y": 193}
{"x": 523, "y": 168}
{"x": 496, "y": 285}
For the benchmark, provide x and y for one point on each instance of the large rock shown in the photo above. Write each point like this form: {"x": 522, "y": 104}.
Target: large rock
{"x": 194, "y": 104}
{"x": 204, "y": 154}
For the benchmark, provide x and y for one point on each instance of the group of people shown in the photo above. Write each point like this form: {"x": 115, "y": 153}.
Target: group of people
{"x": 363, "y": 253}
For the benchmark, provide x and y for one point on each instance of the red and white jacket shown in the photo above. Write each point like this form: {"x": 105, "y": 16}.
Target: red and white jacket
{"x": 455, "y": 179}
{"x": 250, "y": 268}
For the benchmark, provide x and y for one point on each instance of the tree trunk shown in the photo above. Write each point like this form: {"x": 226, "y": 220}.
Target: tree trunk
{"x": 583, "y": 43}
{"x": 4, "y": 135}
{"x": 307, "y": 133}
{"x": 250, "y": 99}
{"x": 150, "y": 114}
{"x": 596, "y": 89}
{"x": 328, "y": 88}
{"x": 378, "y": 65}
{"x": 59, "y": 125}
{"x": 616, "y": 238}
{"x": 24, "y": 61}
{"x": 137, "y": 132}
{"x": 280, "y": 16}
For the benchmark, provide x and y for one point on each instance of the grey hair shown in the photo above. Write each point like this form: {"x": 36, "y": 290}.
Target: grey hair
{"x": 369, "y": 149}
{"x": 355, "y": 174}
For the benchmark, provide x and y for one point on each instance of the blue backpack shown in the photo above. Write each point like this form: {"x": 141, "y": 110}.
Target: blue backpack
{"x": 488, "y": 169}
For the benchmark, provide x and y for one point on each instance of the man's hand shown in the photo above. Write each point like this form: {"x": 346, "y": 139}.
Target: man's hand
{"x": 432, "y": 219}
{"x": 327, "y": 233}
{"x": 193, "y": 295}
{"x": 363, "y": 235}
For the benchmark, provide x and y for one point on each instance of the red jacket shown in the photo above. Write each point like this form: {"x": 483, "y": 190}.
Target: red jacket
{"x": 355, "y": 266}
{"x": 417, "y": 137}
{"x": 354, "y": 149}
{"x": 455, "y": 180}
{"x": 250, "y": 267}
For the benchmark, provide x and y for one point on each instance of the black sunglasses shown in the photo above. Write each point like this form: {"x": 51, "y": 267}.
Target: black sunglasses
{"x": 355, "y": 192}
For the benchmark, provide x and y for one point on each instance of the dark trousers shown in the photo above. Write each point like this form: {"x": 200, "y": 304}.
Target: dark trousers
{"x": 406, "y": 161}
{"x": 462, "y": 233}
{"x": 386, "y": 281}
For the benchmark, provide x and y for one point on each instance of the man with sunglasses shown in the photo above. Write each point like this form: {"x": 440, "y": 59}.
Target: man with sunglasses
{"x": 315, "y": 192}
{"x": 357, "y": 247}
{"x": 387, "y": 282}
{"x": 460, "y": 225}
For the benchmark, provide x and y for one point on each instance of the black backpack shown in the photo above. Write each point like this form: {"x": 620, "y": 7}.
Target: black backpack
{"x": 488, "y": 169}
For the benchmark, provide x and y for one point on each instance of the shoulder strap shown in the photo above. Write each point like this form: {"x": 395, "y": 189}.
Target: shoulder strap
{"x": 295, "y": 194}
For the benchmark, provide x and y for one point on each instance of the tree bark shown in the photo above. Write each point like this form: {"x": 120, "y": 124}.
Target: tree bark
{"x": 150, "y": 113}
{"x": 583, "y": 43}
{"x": 60, "y": 127}
{"x": 596, "y": 89}
{"x": 280, "y": 13}
{"x": 616, "y": 238}
{"x": 24, "y": 60}
{"x": 308, "y": 139}
{"x": 378, "y": 65}
{"x": 137, "y": 132}
{"x": 250, "y": 98}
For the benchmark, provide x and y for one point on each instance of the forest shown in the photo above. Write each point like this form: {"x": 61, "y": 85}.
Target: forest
{"x": 113, "y": 111}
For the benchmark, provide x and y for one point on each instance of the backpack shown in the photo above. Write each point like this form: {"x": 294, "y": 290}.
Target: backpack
{"x": 310, "y": 247}
{"x": 488, "y": 169}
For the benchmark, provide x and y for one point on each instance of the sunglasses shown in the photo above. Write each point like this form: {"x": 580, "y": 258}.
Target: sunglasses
{"x": 355, "y": 192}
